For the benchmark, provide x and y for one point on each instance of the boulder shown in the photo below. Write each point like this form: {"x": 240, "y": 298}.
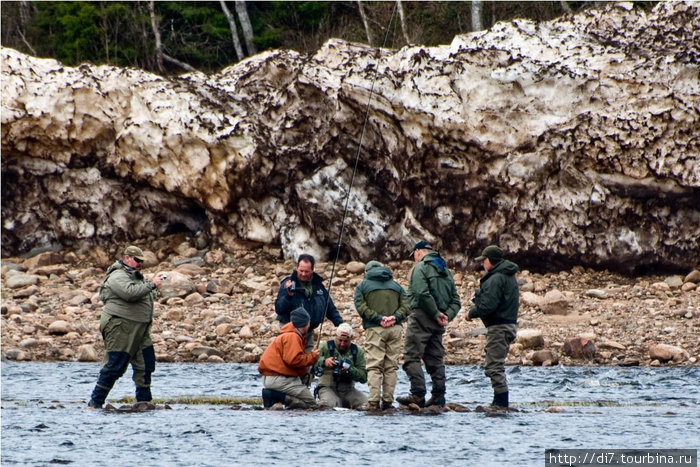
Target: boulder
{"x": 17, "y": 280}
{"x": 87, "y": 353}
{"x": 579, "y": 348}
{"x": 59, "y": 327}
{"x": 674, "y": 282}
{"x": 555, "y": 303}
{"x": 530, "y": 338}
{"x": 355, "y": 267}
{"x": 693, "y": 276}
{"x": 530, "y": 299}
{"x": 666, "y": 353}
{"x": 544, "y": 358}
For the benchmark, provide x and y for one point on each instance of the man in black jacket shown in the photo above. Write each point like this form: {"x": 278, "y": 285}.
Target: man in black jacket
{"x": 496, "y": 303}
{"x": 304, "y": 288}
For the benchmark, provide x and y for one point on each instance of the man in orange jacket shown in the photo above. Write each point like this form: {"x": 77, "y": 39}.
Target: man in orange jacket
{"x": 284, "y": 362}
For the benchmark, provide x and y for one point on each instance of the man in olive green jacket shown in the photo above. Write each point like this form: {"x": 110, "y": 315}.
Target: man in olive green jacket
{"x": 434, "y": 301}
{"x": 340, "y": 364}
{"x": 125, "y": 325}
{"x": 383, "y": 306}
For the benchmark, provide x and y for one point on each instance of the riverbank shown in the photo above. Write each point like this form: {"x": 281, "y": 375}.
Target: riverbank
{"x": 218, "y": 306}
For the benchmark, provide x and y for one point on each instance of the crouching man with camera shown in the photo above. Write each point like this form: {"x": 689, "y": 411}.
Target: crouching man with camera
{"x": 340, "y": 364}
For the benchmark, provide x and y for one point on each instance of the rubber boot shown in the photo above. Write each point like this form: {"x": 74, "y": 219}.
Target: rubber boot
{"x": 411, "y": 399}
{"x": 99, "y": 394}
{"x": 436, "y": 399}
{"x": 500, "y": 400}
{"x": 143, "y": 394}
{"x": 271, "y": 397}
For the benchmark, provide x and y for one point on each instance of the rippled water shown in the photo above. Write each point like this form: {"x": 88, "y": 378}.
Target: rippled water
{"x": 44, "y": 421}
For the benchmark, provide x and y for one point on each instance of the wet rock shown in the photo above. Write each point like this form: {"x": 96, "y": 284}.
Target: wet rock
{"x": 206, "y": 351}
{"x": 16, "y": 354}
{"x": 214, "y": 359}
{"x": 610, "y": 344}
{"x": 87, "y": 353}
{"x": 545, "y": 358}
{"x": 666, "y": 353}
{"x": 530, "y": 338}
{"x": 579, "y": 348}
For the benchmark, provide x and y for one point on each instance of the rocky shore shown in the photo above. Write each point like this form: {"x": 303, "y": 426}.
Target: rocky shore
{"x": 218, "y": 306}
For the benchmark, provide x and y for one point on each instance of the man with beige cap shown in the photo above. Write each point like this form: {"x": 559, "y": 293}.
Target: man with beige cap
{"x": 340, "y": 364}
{"x": 125, "y": 325}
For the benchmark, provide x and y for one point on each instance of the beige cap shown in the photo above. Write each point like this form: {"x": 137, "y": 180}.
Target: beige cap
{"x": 134, "y": 252}
{"x": 344, "y": 330}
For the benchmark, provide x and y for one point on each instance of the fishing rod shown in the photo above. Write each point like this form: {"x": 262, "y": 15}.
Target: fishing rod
{"x": 352, "y": 177}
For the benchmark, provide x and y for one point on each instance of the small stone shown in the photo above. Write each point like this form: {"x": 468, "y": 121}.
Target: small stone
{"x": 59, "y": 327}
{"x": 597, "y": 293}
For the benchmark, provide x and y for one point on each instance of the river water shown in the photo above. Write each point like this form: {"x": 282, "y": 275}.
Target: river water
{"x": 44, "y": 422}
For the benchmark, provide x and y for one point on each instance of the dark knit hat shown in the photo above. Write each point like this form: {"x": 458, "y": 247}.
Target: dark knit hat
{"x": 492, "y": 252}
{"x": 299, "y": 317}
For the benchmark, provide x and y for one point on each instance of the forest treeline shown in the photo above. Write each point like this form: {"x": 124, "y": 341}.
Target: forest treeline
{"x": 172, "y": 37}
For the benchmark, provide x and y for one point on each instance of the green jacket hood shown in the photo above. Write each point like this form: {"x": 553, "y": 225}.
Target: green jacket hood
{"x": 506, "y": 267}
{"x": 379, "y": 273}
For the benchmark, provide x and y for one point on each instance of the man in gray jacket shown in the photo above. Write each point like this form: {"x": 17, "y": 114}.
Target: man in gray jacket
{"x": 125, "y": 325}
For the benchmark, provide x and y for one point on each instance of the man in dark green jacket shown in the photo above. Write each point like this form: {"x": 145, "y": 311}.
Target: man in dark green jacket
{"x": 125, "y": 325}
{"x": 383, "y": 306}
{"x": 434, "y": 302}
{"x": 496, "y": 303}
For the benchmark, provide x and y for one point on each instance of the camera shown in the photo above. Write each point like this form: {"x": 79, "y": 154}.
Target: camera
{"x": 164, "y": 276}
{"x": 292, "y": 287}
{"x": 341, "y": 367}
